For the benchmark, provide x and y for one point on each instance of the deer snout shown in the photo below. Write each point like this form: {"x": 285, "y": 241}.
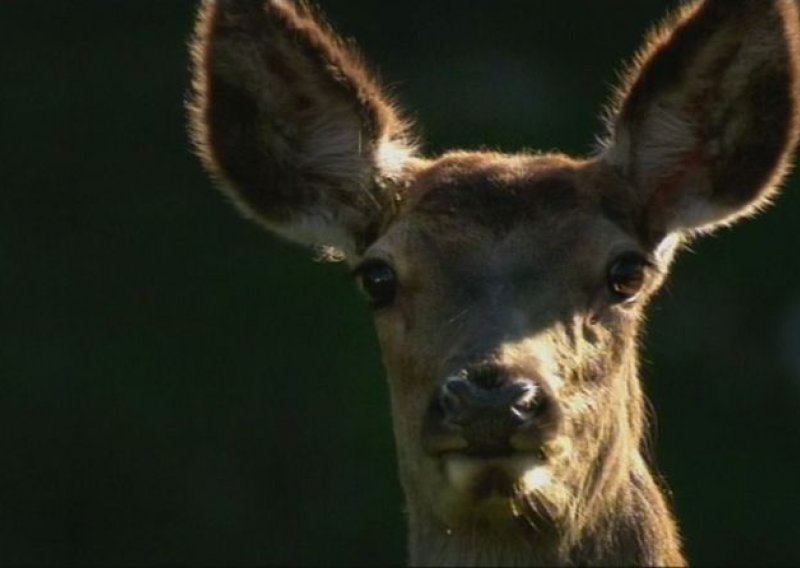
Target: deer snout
{"x": 466, "y": 404}
{"x": 489, "y": 415}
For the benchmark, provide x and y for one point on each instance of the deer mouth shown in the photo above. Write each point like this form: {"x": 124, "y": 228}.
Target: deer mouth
{"x": 496, "y": 478}
{"x": 494, "y": 463}
{"x": 487, "y": 443}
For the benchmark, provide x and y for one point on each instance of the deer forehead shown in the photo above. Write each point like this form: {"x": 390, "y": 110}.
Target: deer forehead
{"x": 495, "y": 220}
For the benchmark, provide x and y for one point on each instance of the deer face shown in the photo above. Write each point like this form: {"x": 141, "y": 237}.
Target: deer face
{"x": 507, "y": 289}
{"x": 506, "y": 297}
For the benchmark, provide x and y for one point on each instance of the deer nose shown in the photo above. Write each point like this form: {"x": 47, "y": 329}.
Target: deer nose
{"x": 488, "y": 413}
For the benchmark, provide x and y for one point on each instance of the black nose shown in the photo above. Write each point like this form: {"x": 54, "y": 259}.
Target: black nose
{"x": 487, "y": 410}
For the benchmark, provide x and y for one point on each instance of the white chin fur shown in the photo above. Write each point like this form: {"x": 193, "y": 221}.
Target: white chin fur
{"x": 530, "y": 473}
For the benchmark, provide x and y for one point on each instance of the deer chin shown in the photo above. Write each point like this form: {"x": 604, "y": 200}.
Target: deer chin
{"x": 502, "y": 495}
{"x": 489, "y": 487}
{"x": 490, "y": 477}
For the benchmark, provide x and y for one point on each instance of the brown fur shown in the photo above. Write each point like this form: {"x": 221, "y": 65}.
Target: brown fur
{"x": 502, "y": 261}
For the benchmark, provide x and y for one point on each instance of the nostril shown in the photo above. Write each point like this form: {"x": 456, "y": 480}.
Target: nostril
{"x": 454, "y": 396}
{"x": 543, "y": 408}
{"x": 527, "y": 401}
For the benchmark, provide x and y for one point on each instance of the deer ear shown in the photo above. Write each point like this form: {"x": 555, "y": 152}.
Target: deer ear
{"x": 285, "y": 116}
{"x": 706, "y": 123}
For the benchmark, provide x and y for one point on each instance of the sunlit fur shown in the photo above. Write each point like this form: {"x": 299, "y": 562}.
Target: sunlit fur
{"x": 503, "y": 260}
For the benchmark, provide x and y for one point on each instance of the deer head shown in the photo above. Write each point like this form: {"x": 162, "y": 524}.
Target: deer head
{"x": 508, "y": 290}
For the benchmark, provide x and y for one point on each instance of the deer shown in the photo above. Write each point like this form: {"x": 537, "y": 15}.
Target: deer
{"x": 508, "y": 290}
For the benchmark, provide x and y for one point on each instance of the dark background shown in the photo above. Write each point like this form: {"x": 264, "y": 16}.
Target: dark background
{"x": 179, "y": 387}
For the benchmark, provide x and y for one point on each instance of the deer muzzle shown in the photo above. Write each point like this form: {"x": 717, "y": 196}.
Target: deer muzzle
{"x": 489, "y": 415}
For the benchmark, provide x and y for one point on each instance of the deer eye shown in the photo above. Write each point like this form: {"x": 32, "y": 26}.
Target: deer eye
{"x": 378, "y": 281}
{"x": 626, "y": 276}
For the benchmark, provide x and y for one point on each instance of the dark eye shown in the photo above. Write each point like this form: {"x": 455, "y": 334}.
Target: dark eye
{"x": 626, "y": 276}
{"x": 378, "y": 281}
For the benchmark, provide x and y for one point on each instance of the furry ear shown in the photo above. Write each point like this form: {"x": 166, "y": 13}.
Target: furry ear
{"x": 707, "y": 120}
{"x": 289, "y": 121}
